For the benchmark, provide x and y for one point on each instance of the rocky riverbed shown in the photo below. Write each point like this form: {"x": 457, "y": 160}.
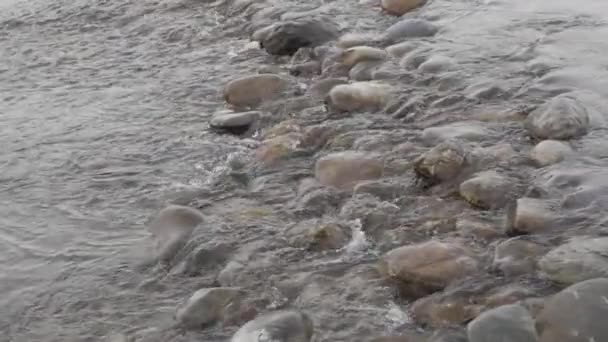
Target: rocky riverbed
{"x": 375, "y": 171}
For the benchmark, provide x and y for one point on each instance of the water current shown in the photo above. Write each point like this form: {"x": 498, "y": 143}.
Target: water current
{"x": 104, "y": 109}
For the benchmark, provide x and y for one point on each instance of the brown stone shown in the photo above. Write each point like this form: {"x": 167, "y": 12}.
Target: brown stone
{"x": 344, "y": 169}
{"x": 400, "y": 7}
{"x": 253, "y": 90}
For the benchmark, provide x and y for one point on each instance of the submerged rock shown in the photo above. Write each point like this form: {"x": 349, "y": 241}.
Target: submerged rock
{"x": 549, "y": 152}
{"x": 364, "y": 71}
{"x": 464, "y": 130}
{"x": 374, "y": 214}
{"x": 287, "y": 38}
{"x": 578, "y": 260}
{"x": 576, "y": 314}
{"x": 508, "y": 323}
{"x": 400, "y": 49}
{"x": 277, "y": 326}
{"x": 344, "y": 169}
{"x": 320, "y": 89}
{"x": 436, "y": 64}
{"x": 563, "y": 117}
{"x": 352, "y": 56}
{"x": 316, "y": 235}
{"x": 358, "y": 96}
{"x": 488, "y": 190}
{"x": 442, "y": 163}
{"x": 427, "y": 267}
{"x": 253, "y": 90}
{"x": 206, "y": 306}
{"x": 231, "y": 121}
{"x": 350, "y": 40}
{"x": 531, "y": 215}
{"x": 171, "y": 229}
{"x": 400, "y": 7}
{"x": 410, "y": 28}
{"x": 517, "y": 256}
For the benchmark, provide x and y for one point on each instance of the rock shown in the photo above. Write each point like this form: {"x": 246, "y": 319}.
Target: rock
{"x": 508, "y": 323}
{"x": 464, "y": 130}
{"x": 549, "y": 152}
{"x": 442, "y": 163}
{"x": 277, "y": 326}
{"x": 234, "y": 120}
{"x": 576, "y": 314}
{"x": 253, "y": 90}
{"x": 401, "y": 49}
{"x": 350, "y": 40}
{"x": 414, "y": 59}
{"x": 444, "y": 310}
{"x": 317, "y": 200}
{"x": 308, "y": 69}
{"x": 382, "y": 188}
{"x": 374, "y": 214}
{"x": 316, "y": 235}
{"x": 511, "y": 294}
{"x": 488, "y": 190}
{"x": 273, "y": 150}
{"x": 410, "y": 28}
{"x": 358, "y": 96}
{"x": 398, "y": 339}
{"x": 517, "y": 256}
{"x": 578, "y": 260}
{"x": 228, "y": 275}
{"x": 260, "y": 34}
{"x": 321, "y": 88}
{"x": 478, "y": 229}
{"x": 344, "y": 169}
{"x": 206, "y": 306}
{"x": 436, "y": 64}
{"x": 448, "y": 336}
{"x": 531, "y": 215}
{"x": 287, "y": 38}
{"x": 400, "y": 7}
{"x": 357, "y": 54}
{"x": 171, "y": 229}
{"x": 364, "y": 71}
{"x": 427, "y": 267}
{"x": 563, "y": 117}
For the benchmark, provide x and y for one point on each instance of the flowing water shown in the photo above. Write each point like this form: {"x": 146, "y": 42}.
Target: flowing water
{"x": 103, "y": 121}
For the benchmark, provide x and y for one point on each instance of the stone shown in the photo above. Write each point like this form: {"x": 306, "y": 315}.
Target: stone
{"x": 400, "y": 7}
{"x": 385, "y": 189}
{"x": 517, "y": 256}
{"x": 415, "y": 58}
{"x": 531, "y": 215}
{"x": 401, "y": 49}
{"x": 206, "y": 306}
{"x": 277, "y": 326}
{"x": 351, "y": 56}
{"x": 286, "y": 38}
{"x": 562, "y": 117}
{"x": 229, "y": 274}
{"x": 427, "y": 267}
{"x": 508, "y": 323}
{"x": 448, "y": 336}
{"x": 488, "y": 190}
{"x": 442, "y": 163}
{"x": 578, "y": 260}
{"x": 253, "y": 90}
{"x": 172, "y": 228}
{"x": 479, "y": 230}
{"x": 344, "y": 169}
{"x": 350, "y": 40}
{"x": 444, "y": 310}
{"x": 308, "y": 69}
{"x": 260, "y": 34}
{"x": 549, "y": 152}
{"x": 317, "y": 235}
{"x": 358, "y": 96}
{"x": 410, "y": 28}
{"x": 271, "y": 151}
{"x": 436, "y": 64}
{"x": 364, "y": 71}
{"x": 463, "y": 130}
{"x": 321, "y": 88}
{"x": 234, "y": 120}
{"x": 373, "y": 214}
{"x": 409, "y": 338}
{"x": 576, "y": 314}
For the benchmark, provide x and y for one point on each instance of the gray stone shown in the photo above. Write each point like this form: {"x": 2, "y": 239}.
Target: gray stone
{"x": 287, "y": 38}
{"x": 277, "y": 326}
{"x": 488, "y": 190}
{"x": 578, "y": 260}
{"x": 321, "y": 88}
{"x": 464, "y": 130}
{"x": 508, "y": 323}
{"x": 374, "y": 214}
{"x": 364, "y": 71}
{"x": 410, "y": 28}
{"x": 576, "y": 314}
{"x": 517, "y": 256}
{"x": 531, "y": 215}
{"x": 563, "y": 117}
{"x": 206, "y": 306}
{"x": 233, "y": 120}
{"x": 436, "y": 64}
{"x": 442, "y": 163}
{"x": 549, "y": 152}
{"x": 171, "y": 229}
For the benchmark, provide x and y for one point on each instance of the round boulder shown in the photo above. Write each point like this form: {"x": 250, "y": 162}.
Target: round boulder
{"x": 563, "y": 117}
{"x": 277, "y": 326}
{"x": 344, "y": 170}
{"x": 287, "y": 38}
{"x": 442, "y": 163}
{"x": 578, "y": 260}
{"x": 508, "y": 323}
{"x": 358, "y": 96}
{"x": 357, "y": 54}
{"x": 400, "y": 7}
{"x": 171, "y": 229}
{"x": 254, "y": 89}
{"x": 206, "y": 306}
{"x": 549, "y": 152}
{"x": 410, "y": 28}
{"x": 487, "y": 190}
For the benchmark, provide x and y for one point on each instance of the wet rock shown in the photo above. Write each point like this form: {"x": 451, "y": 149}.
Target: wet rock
{"x": 253, "y": 90}
{"x": 549, "y": 152}
{"x": 321, "y": 88}
{"x": 279, "y": 326}
{"x": 414, "y": 59}
{"x": 448, "y": 336}
{"x": 344, "y": 169}
{"x": 358, "y": 96}
{"x": 445, "y": 310}
{"x": 228, "y": 276}
{"x": 484, "y": 91}
{"x": 401, "y": 49}
{"x": 511, "y": 294}
{"x": 442, "y": 163}
{"x": 398, "y": 339}
{"x": 400, "y": 7}
{"x": 531, "y": 215}
{"x": 351, "y": 56}
{"x": 287, "y": 38}
{"x": 479, "y": 230}
{"x": 576, "y": 314}
{"x": 410, "y": 28}
{"x": 436, "y": 64}
{"x": 318, "y": 235}
{"x": 315, "y": 199}
{"x": 171, "y": 229}
{"x": 260, "y": 34}
{"x": 508, "y": 323}
{"x": 427, "y": 267}
{"x": 563, "y": 117}
{"x": 382, "y": 188}
{"x": 273, "y": 150}
{"x": 517, "y": 256}
{"x": 373, "y": 214}
{"x": 578, "y": 260}
{"x": 206, "y": 306}
{"x": 231, "y": 121}
{"x": 488, "y": 190}
{"x": 307, "y": 69}
{"x": 364, "y": 71}
{"x": 350, "y": 40}
{"x": 464, "y": 130}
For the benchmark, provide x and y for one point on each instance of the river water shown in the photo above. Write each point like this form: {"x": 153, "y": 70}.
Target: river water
{"x": 103, "y": 121}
